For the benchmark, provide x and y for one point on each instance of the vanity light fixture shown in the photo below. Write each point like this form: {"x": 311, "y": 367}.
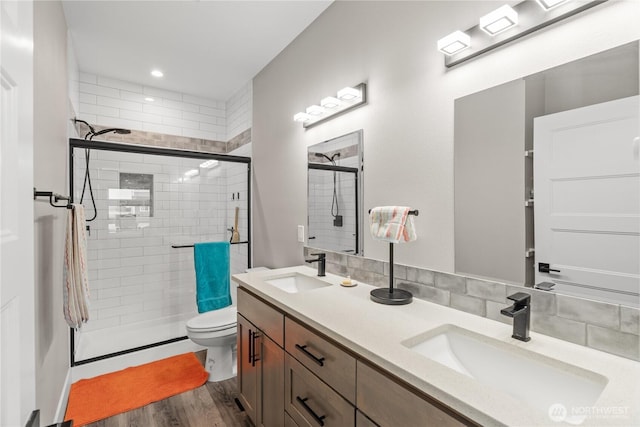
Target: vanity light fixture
{"x": 348, "y": 94}
{"x": 315, "y": 110}
{"x": 499, "y": 20}
{"x": 454, "y": 43}
{"x": 329, "y": 102}
{"x": 550, "y": 4}
{"x": 301, "y": 117}
{"x": 157, "y": 73}
{"x": 507, "y": 24}
{"x": 345, "y": 100}
{"x": 149, "y": 99}
{"x": 192, "y": 172}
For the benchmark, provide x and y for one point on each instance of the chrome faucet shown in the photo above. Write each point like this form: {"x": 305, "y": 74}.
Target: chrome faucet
{"x": 521, "y": 313}
{"x": 322, "y": 262}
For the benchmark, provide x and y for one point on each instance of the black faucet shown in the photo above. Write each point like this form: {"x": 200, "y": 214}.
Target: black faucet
{"x": 322, "y": 262}
{"x": 521, "y": 313}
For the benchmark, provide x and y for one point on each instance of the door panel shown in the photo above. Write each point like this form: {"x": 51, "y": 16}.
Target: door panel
{"x": 17, "y": 329}
{"x": 247, "y": 372}
{"x": 587, "y": 201}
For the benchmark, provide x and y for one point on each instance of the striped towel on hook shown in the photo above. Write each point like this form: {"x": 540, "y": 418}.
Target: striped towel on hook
{"x": 392, "y": 224}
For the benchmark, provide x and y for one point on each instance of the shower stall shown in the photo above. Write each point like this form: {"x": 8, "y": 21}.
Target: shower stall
{"x": 151, "y": 205}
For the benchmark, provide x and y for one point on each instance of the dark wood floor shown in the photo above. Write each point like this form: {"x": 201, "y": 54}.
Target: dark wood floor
{"x": 211, "y": 405}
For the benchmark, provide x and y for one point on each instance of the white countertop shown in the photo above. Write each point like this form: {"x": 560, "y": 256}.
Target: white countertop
{"x": 375, "y": 332}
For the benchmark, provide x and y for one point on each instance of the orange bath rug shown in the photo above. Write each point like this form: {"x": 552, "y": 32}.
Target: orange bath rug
{"x": 101, "y": 397}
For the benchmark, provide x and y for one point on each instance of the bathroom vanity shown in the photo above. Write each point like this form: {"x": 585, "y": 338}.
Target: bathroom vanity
{"x": 314, "y": 353}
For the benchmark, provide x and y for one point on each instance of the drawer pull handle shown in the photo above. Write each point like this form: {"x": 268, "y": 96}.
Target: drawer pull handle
{"x": 303, "y": 402}
{"x": 318, "y": 360}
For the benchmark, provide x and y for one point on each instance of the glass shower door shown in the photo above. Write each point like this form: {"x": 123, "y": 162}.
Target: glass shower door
{"x": 151, "y": 206}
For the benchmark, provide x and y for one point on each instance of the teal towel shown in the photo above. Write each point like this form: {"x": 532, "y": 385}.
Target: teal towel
{"x": 212, "y": 275}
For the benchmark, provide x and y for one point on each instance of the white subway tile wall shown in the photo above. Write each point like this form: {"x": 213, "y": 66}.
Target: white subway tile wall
{"x": 110, "y": 102}
{"x": 239, "y": 111}
{"x": 134, "y": 274}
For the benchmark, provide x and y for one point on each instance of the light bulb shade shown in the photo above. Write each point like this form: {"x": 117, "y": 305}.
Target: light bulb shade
{"x": 550, "y": 4}
{"x": 499, "y": 20}
{"x": 192, "y": 172}
{"x": 315, "y": 110}
{"x": 349, "y": 93}
{"x": 454, "y": 43}
{"x": 329, "y": 102}
{"x": 301, "y": 117}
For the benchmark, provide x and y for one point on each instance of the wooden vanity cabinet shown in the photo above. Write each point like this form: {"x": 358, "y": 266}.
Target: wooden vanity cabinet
{"x": 291, "y": 375}
{"x": 260, "y": 361}
{"x": 389, "y": 404}
{"x": 310, "y": 402}
{"x": 327, "y": 361}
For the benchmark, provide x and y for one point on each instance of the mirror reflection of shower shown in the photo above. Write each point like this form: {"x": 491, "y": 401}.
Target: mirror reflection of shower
{"x": 334, "y": 194}
{"x": 335, "y": 207}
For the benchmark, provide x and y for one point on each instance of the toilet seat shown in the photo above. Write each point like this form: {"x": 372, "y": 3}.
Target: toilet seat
{"x": 215, "y": 320}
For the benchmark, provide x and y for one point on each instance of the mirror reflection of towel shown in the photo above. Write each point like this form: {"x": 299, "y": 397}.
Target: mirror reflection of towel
{"x": 392, "y": 224}
{"x": 212, "y": 275}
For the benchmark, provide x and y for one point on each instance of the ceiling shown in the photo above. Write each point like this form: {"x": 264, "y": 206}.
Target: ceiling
{"x": 204, "y": 48}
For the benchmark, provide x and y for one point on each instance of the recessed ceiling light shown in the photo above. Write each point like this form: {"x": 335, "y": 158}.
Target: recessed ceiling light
{"x": 157, "y": 73}
{"x": 149, "y": 99}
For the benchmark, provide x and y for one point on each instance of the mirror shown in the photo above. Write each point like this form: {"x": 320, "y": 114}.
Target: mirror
{"x": 500, "y": 158}
{"x": 334, "y": 198}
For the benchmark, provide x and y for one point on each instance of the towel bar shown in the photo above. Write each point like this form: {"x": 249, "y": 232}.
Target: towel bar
{"x": 190, "y": 246}
{"x": 413, "y": 212}
{"x": 53, "y": 198}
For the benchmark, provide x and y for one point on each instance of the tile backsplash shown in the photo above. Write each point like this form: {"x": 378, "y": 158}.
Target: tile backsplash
{"x": 603, "y": 326}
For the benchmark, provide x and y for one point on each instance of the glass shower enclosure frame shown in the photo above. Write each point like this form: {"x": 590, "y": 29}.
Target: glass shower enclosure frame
{"x": 134, "y": 201}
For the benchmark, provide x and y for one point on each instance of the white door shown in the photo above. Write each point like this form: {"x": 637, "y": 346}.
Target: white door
{"x": 17, "y": 334}
{"x": 587, "y": 201}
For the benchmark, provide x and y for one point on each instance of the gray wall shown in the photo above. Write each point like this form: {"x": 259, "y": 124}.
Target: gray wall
{"x": 408, "y": 123}
{"x": 489, "y": 184}
{"x": 50, "y": 174}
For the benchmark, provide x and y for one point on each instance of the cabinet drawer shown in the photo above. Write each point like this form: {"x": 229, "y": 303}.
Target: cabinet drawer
{"x": 265, "y": 317}
{"x": 288, "y": 421}
{"x": 389, "y": 404}
{"x": 331, "y": 364}
{"x": 363, "y": 421}
{"x": 312, "y": 403}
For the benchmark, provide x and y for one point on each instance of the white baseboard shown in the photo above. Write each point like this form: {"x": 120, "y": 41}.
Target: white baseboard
{"x": 64, "y": 398}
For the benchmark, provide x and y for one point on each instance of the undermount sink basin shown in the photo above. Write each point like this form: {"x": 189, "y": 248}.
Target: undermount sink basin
{"x": 296, "y": 282}
{"x": 540, "y": 382}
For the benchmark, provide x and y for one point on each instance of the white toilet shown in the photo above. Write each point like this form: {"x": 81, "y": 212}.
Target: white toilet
{"x": 217, "y": 331}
